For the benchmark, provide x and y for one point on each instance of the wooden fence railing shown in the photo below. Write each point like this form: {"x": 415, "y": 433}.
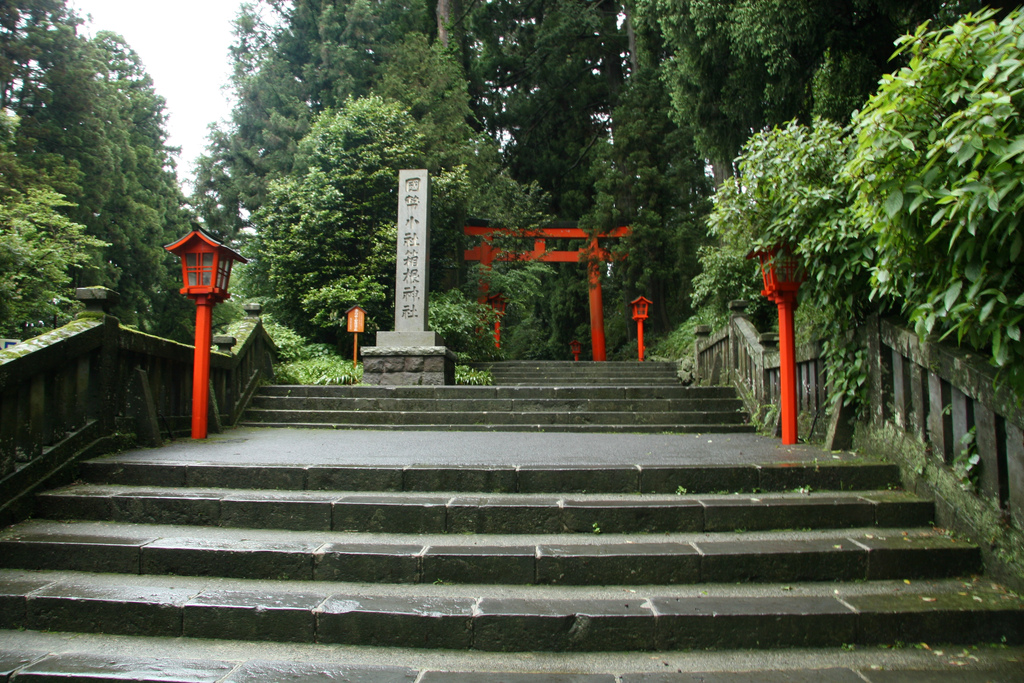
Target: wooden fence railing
{"x": 93, "y": 385}
{"x": 948, "y": 399}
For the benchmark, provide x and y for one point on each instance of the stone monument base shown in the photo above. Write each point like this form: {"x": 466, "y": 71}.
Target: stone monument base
{"x": 399, "y": 366}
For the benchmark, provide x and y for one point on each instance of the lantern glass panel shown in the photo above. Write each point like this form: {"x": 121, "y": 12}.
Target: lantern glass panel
{"x": 192, "y": 269}
{"x": 207, "y": 270}
{"x": 224, "y": 273}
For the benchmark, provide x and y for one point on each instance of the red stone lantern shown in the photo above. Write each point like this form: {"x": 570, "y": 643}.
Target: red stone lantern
{"x": 640, "y": 306}
{"x": 783, "y": 274}
{"x": 575, "y": 347}
{"x": 498, "y": 302}
{"x": 206, "y": 272}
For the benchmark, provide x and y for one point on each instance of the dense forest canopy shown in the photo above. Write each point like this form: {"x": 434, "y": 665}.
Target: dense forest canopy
{"x": 604, "y": 113}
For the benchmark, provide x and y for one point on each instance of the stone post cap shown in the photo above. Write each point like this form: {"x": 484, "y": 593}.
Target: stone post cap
{"x": 768, "y": 339}
{"x": 97, "y": 299}
{"x": 738, "y": 305}
{"x": 252, "y": 310}
{"x": 224, "y": 343}
{"x": 702, "y": 330}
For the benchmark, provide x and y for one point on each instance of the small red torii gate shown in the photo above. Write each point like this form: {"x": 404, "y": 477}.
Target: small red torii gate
{"x": 593, "y": 254}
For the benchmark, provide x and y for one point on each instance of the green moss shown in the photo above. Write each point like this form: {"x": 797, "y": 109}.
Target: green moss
{"x": 969, "y": 515}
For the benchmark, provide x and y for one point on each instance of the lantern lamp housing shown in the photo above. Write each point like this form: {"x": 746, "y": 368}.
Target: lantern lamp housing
{"x": 205, "y": 265}
{"x": 498, "y": 302}
{"x": 575, "y": 346}
{"x": 781, "y": 270}
{"x": 640, "y": 307}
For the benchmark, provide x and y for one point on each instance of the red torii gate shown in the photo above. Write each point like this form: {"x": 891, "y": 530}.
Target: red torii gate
{"x": 593, "y": 254}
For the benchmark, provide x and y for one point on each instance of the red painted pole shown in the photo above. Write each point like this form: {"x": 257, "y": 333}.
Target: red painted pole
{"x": 640, "y": 338}
{"x": 596, "y": 306}
{"x": 201, "y": 367}
{"x": 497, "y": 333}
{"x": 787, "y": 367}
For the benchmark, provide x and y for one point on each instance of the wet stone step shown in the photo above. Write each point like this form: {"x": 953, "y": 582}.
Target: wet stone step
{"x": 894, "y": 555}
{"x": 654, "y": 405}
{"x": 328, "y": 613}
{"x": 500, "y": 513}
{"x": 674, "y": 428}
{"x": 498, "y": 392}
{"x": 655, "y": 479}
{"x": 496, "y": 419}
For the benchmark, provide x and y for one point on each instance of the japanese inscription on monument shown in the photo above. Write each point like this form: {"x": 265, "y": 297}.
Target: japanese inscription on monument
{"x": 412, "y": 271}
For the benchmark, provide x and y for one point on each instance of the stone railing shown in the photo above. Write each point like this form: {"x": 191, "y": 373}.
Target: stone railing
{"x": 937, "y": 411}
{"x": 92, "y": 386}
{"x": 741, "y": 356}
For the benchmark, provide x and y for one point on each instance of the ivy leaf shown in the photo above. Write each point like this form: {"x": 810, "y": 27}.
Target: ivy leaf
{"x": 952, "y": 293}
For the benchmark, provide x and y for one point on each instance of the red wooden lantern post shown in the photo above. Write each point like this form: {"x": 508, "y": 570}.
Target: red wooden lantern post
{"x": 206, "y": 272}
{"x": 356, "y": 321}
{"x": 640, "y": 305}
{"x": 498, "y": 302}
{"x": 783, "y": 274}
{"x": 575, "y": 347}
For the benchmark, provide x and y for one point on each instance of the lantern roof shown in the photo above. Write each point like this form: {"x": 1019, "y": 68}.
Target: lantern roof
{"x": 197, "y": 238}
{"x": 641, "y": 299}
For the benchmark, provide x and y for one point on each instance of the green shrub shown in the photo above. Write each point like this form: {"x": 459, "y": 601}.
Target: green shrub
{"x": 324, "y": 370}
{"x": 467, "y": 375}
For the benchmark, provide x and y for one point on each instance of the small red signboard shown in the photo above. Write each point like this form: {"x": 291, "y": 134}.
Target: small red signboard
{"x": 356, "y": 319}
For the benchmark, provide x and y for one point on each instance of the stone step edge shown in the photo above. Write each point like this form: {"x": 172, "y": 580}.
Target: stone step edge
{"x": 462, "y": 514}
{"x": 634, "y": 622}
{"x": 870, "y": 557}
{"x": 555, "y": 428}
{"x": 652, "y": 479}
{"x": 216, "y": 666}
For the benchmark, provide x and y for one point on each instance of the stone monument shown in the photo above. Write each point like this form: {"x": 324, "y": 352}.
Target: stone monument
{"x": 412, "y": 354}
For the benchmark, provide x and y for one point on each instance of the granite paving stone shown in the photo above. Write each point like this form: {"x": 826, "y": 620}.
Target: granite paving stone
{"x": 238, "y": 559}
{"x": 710, "y": 479}
{"x": 586, "y": 479}
{"x": 368, "y": 562}
{"x": 99, "y": 668}
{"x": 479, "y": 564}
{"x": 522, "y": 514}
{"x": 618, "y": 563}
{"x": 73, "y": 605}
{"x": 252, "y": 615}
{"x": 632, "y": 516}
{"x": 894, "y": 557}
{"x": 13, "y": 592}
{"x": 489, "y": 479}
{"x": 263, "y": 671}
{"x": 405, "y": 621}
{"x": 246, "y": 477}
{"x": 764, "y": 513}
{"x": 76, "y": 552}
{"x": 528, "y": 624}
{"x": 334, "y": 478}
{"x": 11, "y": 661}
{"x": 490, "y": 677}
{"x": 261, "y": 510}
{"x": 836, "y": 675}
{"x": 389, "y": 513}
{"x": 764, "y": 622}
{"x": 173, "y": 506}
{"x": 806, "y": 560}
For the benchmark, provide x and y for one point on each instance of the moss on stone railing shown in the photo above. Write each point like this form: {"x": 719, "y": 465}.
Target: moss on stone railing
{"x": 92, "y": 386}
{"x": 935, "y": 410}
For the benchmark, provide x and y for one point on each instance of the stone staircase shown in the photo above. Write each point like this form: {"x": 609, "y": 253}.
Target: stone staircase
{"x": 484, "y": 559}
{"x": 527, "y": 396}
{"x": 574, "y": 374}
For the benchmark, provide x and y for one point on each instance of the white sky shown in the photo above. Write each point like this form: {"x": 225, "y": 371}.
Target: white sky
{"x": 184, "y": 46}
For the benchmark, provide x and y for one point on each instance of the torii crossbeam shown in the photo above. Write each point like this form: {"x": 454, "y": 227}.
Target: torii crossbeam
{"x": 593, "y": 254}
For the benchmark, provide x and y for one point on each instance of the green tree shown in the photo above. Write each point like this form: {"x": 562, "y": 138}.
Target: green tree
{"x": 326, "y": 237}
{"x": 937, "y": 181}
{"x": 739, "y": 66}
